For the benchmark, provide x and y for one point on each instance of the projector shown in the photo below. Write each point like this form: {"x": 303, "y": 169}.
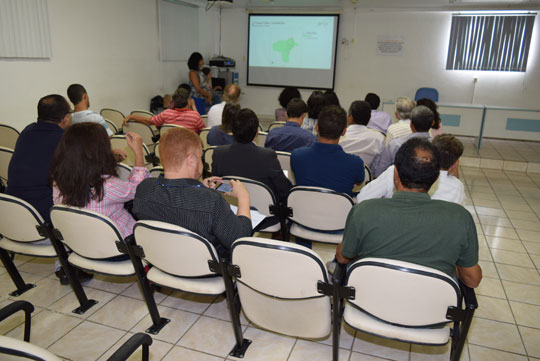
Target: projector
{"x": 222, "y": 62}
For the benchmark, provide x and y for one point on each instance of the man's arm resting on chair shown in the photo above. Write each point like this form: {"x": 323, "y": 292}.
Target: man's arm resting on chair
{"x": 471, "y": 276}
{"x": 340, "y": 257}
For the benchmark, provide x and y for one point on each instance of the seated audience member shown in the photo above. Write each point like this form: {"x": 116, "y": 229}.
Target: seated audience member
{"x": 79, "y": 97}
{"x": 285, "y": 97}
{"x": 325, "y": 164}
{"x": 402, "y": 128}
{"x": 436, "y": 129}
{"x": 359, "y": 140}
{"x": 231, "y": 94}
{"x": 245, "y": 159}
{"x": 421, "y": 122}
{"x": 184, "y": 114}
{"x": 447, "y": 188}
{"x": 315, "y": 103}
{"x": 83, "y": 174}
{"x": 28, "y": 170}
{"x": 178, "y": 197}
{"x": 331, "y": 98}
{"x": 222, "y": 134}
{"x": 379, "y": 120}
{"x": 404, "y": 227}
{"x": 167, "y": 99}
{"x": 291, "y": 135}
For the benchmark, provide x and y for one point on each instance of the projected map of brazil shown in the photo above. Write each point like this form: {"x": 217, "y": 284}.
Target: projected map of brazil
{"x": 284, "y": 47}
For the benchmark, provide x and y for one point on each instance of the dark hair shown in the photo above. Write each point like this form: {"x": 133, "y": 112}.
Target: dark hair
{"x": 296, "y": 108}
{"x": 450, "y": 149}
{"x": 431, "y": 105}
{"x": 245, "y": 126}
{"x": 180, "y": 98}
{"x": 331, "y": 98}
{"x": 229, "y": 113}
{"x": 422, "y": 118}
{"x": 75, "y": 93}
{"x": 184, "y": 86}
{"x": 315, "y": 103}
{"x": 373, "y": 100}
{"x": 332, "y": 121}
{"x": 81, "y": 164}
{"x": 360, "y": 111}
{"x": 417, "y": 164}
{"x": 287, "y": 94}
{"x": 52, "y": 108}
{"x": 193, "y": 61}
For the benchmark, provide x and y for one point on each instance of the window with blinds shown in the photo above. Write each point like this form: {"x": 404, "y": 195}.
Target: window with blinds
{"x": 490, "y": 42}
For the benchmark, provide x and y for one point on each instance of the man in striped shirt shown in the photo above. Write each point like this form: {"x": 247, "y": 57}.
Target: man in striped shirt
{"x": 184, "y": 114}
{"x": 402, "y": 128}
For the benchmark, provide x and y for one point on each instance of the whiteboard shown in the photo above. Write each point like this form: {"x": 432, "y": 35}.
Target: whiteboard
{"x": 178, "y": 29}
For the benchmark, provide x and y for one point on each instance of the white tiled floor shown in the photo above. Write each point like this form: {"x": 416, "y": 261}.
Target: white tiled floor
{"x": 505, "y": 205}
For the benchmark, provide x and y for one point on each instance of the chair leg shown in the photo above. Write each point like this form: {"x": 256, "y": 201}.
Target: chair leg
{"x": 242, "y": 343}
{"x": 14, "y": 274}
{"x": 158, "y": 322}
{"x": 459, "y": 342}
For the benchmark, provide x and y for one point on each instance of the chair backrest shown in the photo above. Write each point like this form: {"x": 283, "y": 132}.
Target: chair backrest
{"x": 205, "y": 119}
{"x": 19, "y": 219}
{"x": 430, "y": 93}
{"x": 8, "y": 136}
{"x": 13, "y": 346}
{"x": 261, "y": 138}
{"x": 278, "y": 287}
{"x": 368, "y": 176}
{"x": 114, "y": 116}
{"x": 142, "y": 129}
{"x": 156, "y": 149}
{"x": 142, "y": 113}
{"x": 274, "y": 125}
{"x": 156, "y": 171}
{"x": 89, "y": 234}
{"x": 204, "y": 137}
{"x": 124, "y": 171}
{"x": 119, "y": 142}
{"x": 207, "y": 157}
{"x": 319, "y": 208}
{"x": 165, "y": 127}
{"x": 285, "y": 162}
{"x": 5, "y": 158}
{"x": 261, "y": 196}
{"x": 112, "y": 126}
{"x": 402, "y": 293}
{"x": 173, "y": 249}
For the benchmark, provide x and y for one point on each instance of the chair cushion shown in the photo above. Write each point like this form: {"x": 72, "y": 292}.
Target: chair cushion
{"x": 122, "y": 268}
{"x": 364, "y": 322}
{"x": 9, "y": 343}
{"x": 202, "y": 286}
{"x": 299, "y": 231}
{"x": 41, "y": 248}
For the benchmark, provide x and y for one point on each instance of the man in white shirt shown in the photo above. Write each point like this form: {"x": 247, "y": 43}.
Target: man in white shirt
{"x": 79, "y": 97}
{"x": 447, "y": 188}
{"x": 379, "y": 120}
{"x": 402, "y": 128}
{"x": 231, "y": 94}
{"x": 360, "y": 140}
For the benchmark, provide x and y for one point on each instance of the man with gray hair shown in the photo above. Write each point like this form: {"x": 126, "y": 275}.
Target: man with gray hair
{"x": 402, "y": 128}
{"x": 231, "y": 94}
{"x": 420, "y": 123}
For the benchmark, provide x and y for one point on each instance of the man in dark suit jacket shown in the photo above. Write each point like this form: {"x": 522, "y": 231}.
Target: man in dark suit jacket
{"x": 244, "y": 159}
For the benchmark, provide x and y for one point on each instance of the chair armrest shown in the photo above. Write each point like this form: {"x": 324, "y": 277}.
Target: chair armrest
{"x": 131, "y": 345}
{"x": 469, "y": 295}
{"x": 16, "y": 306}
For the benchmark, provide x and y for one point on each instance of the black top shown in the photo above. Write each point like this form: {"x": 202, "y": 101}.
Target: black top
{"x": 250, "y": 161}
{"x": 31, "y": 163}
{"x": 189, "y": 204}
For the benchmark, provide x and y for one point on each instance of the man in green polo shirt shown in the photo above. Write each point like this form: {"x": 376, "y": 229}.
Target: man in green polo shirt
{"x": 410, "y": 226}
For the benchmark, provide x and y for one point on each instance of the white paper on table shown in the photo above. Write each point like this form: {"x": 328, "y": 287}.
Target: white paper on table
{"x": 256, "y": 216}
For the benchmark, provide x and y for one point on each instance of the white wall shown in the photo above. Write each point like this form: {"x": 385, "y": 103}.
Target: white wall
{"x": 111, "y": 47}
{"x": 360, "y": 70}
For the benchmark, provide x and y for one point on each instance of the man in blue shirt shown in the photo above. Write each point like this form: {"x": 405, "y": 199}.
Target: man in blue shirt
{"x": 291, "y": 135}
{"x": 325, "y": 163}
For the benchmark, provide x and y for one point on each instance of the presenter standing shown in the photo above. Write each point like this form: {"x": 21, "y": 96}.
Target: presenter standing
{"x": 201, "y": 89}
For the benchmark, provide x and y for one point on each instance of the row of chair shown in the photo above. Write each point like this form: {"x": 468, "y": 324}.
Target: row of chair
{"x": 282, "y": 287}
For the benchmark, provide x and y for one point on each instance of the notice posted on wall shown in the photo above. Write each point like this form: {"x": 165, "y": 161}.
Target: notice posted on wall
{"x": 390, "y": 45}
